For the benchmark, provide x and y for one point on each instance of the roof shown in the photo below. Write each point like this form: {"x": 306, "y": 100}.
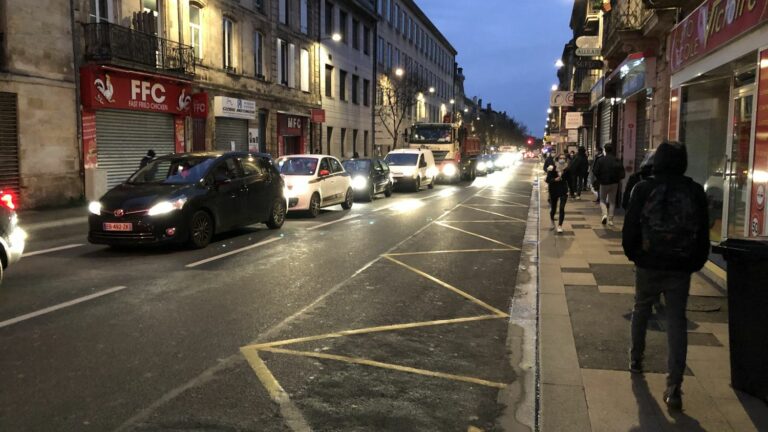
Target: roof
{"x": 308, "y": 156}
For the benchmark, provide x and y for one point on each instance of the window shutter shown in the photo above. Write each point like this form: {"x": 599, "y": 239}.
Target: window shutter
{"x": 279, "y": 61}
{"x": 291, "y": 65}
{"x": 304, "y": 70}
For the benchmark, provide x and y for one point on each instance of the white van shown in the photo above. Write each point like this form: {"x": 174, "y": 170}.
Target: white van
{"x": 412, "y": 167}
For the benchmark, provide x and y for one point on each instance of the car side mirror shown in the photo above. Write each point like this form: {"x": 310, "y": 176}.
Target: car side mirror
{"x": 324, "y": 173}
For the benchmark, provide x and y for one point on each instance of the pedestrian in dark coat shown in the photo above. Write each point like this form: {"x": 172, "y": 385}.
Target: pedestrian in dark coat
{"x": 609, "y": 172}
{"x": 645, "y": 173}
{"x": 548, "y": 162}
{"x": 594, "y": 183}
{"x": 557, "y": 179}
{"x": 579, "y": 169}
{"x": 666, "y": 235}
{"x": 147, "y": 159}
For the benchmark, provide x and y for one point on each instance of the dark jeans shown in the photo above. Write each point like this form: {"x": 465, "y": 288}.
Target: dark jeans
{"x": 581, "y": 184}
{"x": 649, "y": 284}
{"x": 572, "y": 185}
{"x": 553, "y": 206}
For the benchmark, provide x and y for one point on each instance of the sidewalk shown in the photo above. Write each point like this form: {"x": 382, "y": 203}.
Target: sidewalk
{"x": 586, "y": 291}
{"x": 34, "y": 220}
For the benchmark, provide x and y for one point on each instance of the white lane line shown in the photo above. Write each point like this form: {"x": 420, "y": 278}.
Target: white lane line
{"x": 345, "y": 218}
{"x": 232, "y": 252}
{"x": 56, "y": 249}
{"x": 440, "y": 194}
{"x": 31, "y": 315}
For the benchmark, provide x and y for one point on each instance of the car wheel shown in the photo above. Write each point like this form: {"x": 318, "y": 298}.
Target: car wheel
{"x": 473, "y": 176}
{"x": 431, "y": 185}
{"x": 314, "y": 206}
{"x": 348, "y": 200}
{"x": 277, "y": 215}
{"x": 371, "y": 193}
{"x": 388, "y": 190}
{"x": 200, "y": 229}
{"x": 417, "y": 184}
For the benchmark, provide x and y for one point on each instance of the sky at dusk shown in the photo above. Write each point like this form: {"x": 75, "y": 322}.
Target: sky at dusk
{"x": 508, "y": 50}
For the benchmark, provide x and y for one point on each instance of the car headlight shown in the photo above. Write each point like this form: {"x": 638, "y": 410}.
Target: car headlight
{"x": 95, "y": 207}
{"x": 489, "y": 164}
{"x": 359, "y": 183}
{"x": 409, "y": 171}
{"x": 481, "y": 165}
{"x": 449, "y": 170}
{"x": 431, "y": 172}
{"x": 164, "y": 207}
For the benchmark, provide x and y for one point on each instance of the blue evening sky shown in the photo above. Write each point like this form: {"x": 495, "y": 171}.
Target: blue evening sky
{"x": 508, "y": 50}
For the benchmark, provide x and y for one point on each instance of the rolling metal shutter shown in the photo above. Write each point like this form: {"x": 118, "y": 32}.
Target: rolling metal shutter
{"x": 641, "y": 139}
{"x": 228, "y": 130}
{"x": 124, "y": 137}
{"x": 9, "y": 143}
{"x": 605, "y": 124}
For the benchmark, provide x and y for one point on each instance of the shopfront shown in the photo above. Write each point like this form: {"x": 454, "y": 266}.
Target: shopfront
{"x": 292, "y": 133}
{"x": 719, "y": 109}
{"x": 124, "y": 115}
{"x": 234, "y": 118}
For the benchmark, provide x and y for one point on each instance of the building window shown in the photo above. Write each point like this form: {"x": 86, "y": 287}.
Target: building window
{"x": 365, "y": 143}
{"x": 354, "y": 143}
{"x": 387, "y": 11}
{"x": 196, "y": 30}
{"x": 258, "y": 5}
{"x": 380, "y": 51}
{"x": 284, "y": 13}
{"x": 355, "y": 89}
{"x": 100, "y": 11}
{"x": 343, "y": 26}
{"x": 366, "y": 92}
{"x": 284, "y": 62}
{"x": 342, "y": 87}
{"x": 258, "y": 54}
{"x": 328, "y": 18}
{"x": 389, "y": 55}
{"x": 343, "y": 137}
{"x": 304, "y": 70}
{"x": 304, "y": 13}
{"x": 329, "y": 138}
{"x": 229, "y": 30}
{"x": 328, "y": 81}
{"x": 397, "y": 17}
{"x": 366, "y": 40}
{"x": 355, "y": 34}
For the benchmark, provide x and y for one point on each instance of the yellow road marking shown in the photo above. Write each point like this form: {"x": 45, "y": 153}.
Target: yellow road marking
{"x": 447, "y": 251}
{"x": 450, "y": 287}
{"x": 290, "y": 412}
{"x": 368, "y": 330}
{"x": 445, "y": 224}
{"x": 373, "y": 363}
{"x": 494, "y": 213}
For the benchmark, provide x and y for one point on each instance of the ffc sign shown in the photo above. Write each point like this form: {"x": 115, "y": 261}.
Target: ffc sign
{"x": 561, "y": 99}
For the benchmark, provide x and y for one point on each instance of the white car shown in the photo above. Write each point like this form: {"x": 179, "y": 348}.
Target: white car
{"x": 315, "y": 181}
{"x": 413, "y": 167}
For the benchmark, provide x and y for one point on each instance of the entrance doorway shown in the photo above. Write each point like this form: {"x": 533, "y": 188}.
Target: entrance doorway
{"x": 737, "y": 158}
{"x": 292, "y": 145}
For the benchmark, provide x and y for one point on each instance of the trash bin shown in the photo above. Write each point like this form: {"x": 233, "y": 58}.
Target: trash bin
{"x": 748, "y": 314}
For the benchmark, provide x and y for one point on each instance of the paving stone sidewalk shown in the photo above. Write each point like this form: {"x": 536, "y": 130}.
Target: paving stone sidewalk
{"x": 586, "y": 291}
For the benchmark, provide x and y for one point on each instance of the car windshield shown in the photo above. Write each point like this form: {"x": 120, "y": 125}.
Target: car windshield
{"x": 360, "y": 165}
{"x": 401, "y": 159}
{"x": 431, "y": 134}
{"x": 173, "y": 171}
{"x": 297, "y": 166}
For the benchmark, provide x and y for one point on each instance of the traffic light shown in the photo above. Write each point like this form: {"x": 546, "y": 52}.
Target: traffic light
{"x": 530, "y": 141}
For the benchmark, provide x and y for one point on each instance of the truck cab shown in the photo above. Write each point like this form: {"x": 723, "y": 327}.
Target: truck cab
{"x": 454, "y": 150}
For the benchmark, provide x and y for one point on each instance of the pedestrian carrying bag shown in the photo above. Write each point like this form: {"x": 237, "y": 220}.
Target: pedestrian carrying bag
{"x": 670, "y": 222}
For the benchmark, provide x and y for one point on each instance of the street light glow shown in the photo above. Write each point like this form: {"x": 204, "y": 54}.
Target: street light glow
{"x": 452, "y": 101}
{"x": 554, "y": 87}
{"x": 431, "y": 89}
{"x": 336, "y": 37}
{"x": 559, "y": 63}
{"x": 549, "y": 110}
{"x": 399, "y": 72}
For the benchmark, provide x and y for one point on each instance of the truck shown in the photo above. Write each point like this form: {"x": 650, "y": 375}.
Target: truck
{"x": 454, "y": 149}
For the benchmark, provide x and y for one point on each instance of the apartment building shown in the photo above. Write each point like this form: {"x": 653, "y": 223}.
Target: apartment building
{"x": 347, "y": 76}
{"x": 409, "y": 44}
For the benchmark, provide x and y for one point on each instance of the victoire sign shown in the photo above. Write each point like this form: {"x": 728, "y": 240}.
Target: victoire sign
{"x": 232, "y": 107}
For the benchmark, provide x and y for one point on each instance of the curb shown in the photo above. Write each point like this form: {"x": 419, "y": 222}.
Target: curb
{"x": 522, "y": 397}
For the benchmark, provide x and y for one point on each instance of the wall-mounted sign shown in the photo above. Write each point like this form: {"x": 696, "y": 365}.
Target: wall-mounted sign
{"x": 200, "y": 105}
{"x": 574, "y": 120}
{"x": 588, "y": 42}
{"x": 587, "y": 52}
{"x": 584, "y": 63}
{"x": 235, "y": 108}
{"x": 561, "y": 98}
{"x": 318, "y": 115}
{"x": 713, "y": 24}
{"x": 291, "y": 125}
{"x": 573, "y": 135}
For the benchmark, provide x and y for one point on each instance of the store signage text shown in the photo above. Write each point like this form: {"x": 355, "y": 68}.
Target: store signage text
{"x": 232, "y": 107}
{"x": 561, "y": 98}
{"x": 587, "y": 52}
{"x": 141, "y": 90}
{"x": 710, "y": 26}
{"x": 574, "y": 120}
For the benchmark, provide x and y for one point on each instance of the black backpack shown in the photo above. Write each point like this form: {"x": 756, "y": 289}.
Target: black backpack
{"x": 670, "y": 222}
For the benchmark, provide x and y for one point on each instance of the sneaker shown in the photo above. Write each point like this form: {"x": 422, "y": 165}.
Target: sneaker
{"x": 673, "y": 397}
{"x": 552, "y": 225}
{"x": 560, "y": 228}
{"x": 578, "y": 197}
{"x": 636, "y": 366}
{"x": 610, "y": 222}
{"x": 605, "y": 220}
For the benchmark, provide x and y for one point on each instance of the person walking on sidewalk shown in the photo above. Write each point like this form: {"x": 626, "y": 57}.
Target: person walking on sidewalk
{"x": 557, "y": 179}
{"x": 609, "y": 171}
{"x": 592, "y": 180}
{"x": 147, "y": 159}
{"x": 666, "y": 235}
{"x": 579, "y": 168}
{"x": 548, "y": 162}
{"x": 645, "y": 173}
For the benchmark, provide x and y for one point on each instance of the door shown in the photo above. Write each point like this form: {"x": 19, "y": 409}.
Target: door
{"x": 326, "y": 182}
{"x": 340, "y": 180}
{"x": 380, "y": 175}
{"x": 737, "y": 163}
{"x": 258, "y": 202}
{"x": 230, "y": 194}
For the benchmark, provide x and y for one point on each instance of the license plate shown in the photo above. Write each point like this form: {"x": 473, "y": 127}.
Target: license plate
{"x": 108, "y": 226}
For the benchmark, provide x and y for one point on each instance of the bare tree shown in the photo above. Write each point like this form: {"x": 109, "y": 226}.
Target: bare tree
{"x": 397, "y": 95}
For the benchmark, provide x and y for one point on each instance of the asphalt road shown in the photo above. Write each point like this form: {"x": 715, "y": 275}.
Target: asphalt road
{"x": 391, "y": 316}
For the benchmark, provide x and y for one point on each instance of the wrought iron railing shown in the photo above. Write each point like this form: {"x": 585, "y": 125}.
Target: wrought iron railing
{"x": 111, "y": 42}
{"x": 627, "y": 15}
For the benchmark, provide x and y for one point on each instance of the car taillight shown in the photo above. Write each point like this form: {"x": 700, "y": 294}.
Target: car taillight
{"x": 7, "y": 200}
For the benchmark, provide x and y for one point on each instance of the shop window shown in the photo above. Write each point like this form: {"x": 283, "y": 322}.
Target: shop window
{"x": 196, "y": 30}
{"x": 100, "y": 11}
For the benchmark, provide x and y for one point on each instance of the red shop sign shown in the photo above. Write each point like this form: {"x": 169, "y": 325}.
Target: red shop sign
{"x": 318, "y": 115}
{"x": 200, "y": 105}
{"x": 290, "y": 125}
{"x": 104, "y": 88}
{"x": 713, "y": 24}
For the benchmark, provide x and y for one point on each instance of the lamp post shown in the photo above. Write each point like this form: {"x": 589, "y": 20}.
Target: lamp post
{"x": 336, "y": 37}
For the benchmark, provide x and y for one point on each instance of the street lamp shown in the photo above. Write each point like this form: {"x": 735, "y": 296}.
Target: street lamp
{"x": 336, "y": 37}
{"x": 452, "y": 101}
{"x": 559, "y": 63}
{"x": 431, "y": 89}
{"x": 555, "y": 87}
{"x": 466, "y": 110}
{"x": 399, "y": 72}
{"x": 549, "y": 110}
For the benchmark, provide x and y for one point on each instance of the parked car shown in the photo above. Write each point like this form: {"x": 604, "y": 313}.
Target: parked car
{"x": 315, "y": 181}
{"x": 369, "y": 177}
{"x": 412, "y": 167}
{"x": 187, "y": 198}
{"x": 12, "y": 237}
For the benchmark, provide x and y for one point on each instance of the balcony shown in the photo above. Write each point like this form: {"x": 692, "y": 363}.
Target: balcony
{"x": 624, "y": 29}
{"x": 110, "y": 43}
{"x": 686, "y": 5}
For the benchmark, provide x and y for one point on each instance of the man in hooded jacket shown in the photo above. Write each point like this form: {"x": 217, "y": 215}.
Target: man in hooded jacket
{"x": 659, "y": 272}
